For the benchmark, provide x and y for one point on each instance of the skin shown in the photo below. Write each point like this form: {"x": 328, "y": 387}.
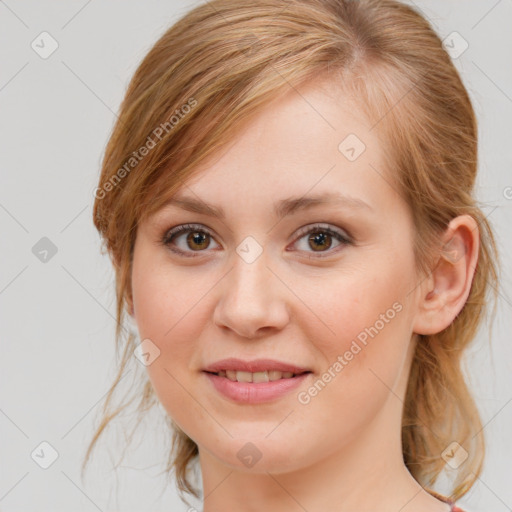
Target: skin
{"x": 342, "y": 450}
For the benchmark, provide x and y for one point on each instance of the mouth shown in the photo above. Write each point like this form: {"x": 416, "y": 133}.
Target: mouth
{"x": 257, "y": 377}
{"x": 254, "y": 392}
{"x": 255, "y": 382}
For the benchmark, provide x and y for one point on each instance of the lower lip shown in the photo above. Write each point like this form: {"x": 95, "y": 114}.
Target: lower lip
{"x": 255, "y": 393}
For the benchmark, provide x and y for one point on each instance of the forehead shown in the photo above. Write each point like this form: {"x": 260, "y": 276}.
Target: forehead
{"x": 313, "y": 139}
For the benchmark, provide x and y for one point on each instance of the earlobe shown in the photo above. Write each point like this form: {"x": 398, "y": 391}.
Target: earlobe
{"x": 446, "y": 291}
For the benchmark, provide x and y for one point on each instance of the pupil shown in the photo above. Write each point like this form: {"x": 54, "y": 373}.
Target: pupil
{"x": 321, "y": 238}
{"x": 198, "y": 238}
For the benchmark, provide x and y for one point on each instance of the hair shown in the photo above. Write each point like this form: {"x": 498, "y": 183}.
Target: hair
{"x": 223, "y": 62}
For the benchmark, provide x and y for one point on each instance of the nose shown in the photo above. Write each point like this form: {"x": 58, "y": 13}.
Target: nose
{"x": 253, "y": 299}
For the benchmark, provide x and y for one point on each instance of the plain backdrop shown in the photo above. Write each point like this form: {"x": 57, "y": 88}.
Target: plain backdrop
{"x": 56, "y": 289}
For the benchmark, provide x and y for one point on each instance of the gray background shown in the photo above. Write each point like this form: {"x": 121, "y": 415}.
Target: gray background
{"x": 57, "y": 346}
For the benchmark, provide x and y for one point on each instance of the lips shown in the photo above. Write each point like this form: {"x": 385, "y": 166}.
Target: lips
{"x": 255, "y": 392}
{"x": 256, "y": 366}
{"x": 254, "y": 382}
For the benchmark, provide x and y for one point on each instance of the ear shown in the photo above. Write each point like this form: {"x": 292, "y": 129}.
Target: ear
{"x": 443, "y": 294}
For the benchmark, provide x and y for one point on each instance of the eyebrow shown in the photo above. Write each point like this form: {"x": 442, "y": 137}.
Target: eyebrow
{"x": 281, "y": 208}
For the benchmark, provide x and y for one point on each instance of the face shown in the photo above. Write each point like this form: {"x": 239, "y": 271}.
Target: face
{"x": 322, "y": 286}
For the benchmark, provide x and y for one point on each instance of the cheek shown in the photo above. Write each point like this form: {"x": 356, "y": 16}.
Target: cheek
{"x": 365, "y": 326}
{"x": 359, "y": 307}
{"x": 163, "y": 298}
{"x": 165, "y": 315}
{"x": 363, "y": 359}
{"x": 170, "y": 311}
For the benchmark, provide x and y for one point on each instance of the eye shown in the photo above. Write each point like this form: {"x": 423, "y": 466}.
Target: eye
{"x": 319, "y": 238}
{"x": 198, "y": 238}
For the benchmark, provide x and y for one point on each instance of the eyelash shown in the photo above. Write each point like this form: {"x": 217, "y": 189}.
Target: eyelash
{"x": 173, "y": 233}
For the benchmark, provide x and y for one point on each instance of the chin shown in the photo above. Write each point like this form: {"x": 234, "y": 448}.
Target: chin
{"x": 257, "y": 454}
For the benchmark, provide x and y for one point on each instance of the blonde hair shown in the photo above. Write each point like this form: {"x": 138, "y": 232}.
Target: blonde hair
{"x": 226, "y": 60}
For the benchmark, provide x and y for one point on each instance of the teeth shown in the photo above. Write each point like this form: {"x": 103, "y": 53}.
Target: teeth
{"x": 260, "y": 376}
{"x": 244, "y": 376}
{"x": 265, "y": 376}
{"x": 275, "y": 375}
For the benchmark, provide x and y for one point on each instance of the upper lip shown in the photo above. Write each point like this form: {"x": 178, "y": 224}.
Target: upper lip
{"x": 256, "y": 365}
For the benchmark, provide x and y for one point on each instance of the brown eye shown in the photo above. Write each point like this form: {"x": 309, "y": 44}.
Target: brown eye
{"x": 320, "y": 240}
{"x": 196, "y": 240}
{"x": 315, "y": 239}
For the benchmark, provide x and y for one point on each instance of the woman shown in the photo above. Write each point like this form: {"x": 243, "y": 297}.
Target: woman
{"x": 287, "y": 199}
